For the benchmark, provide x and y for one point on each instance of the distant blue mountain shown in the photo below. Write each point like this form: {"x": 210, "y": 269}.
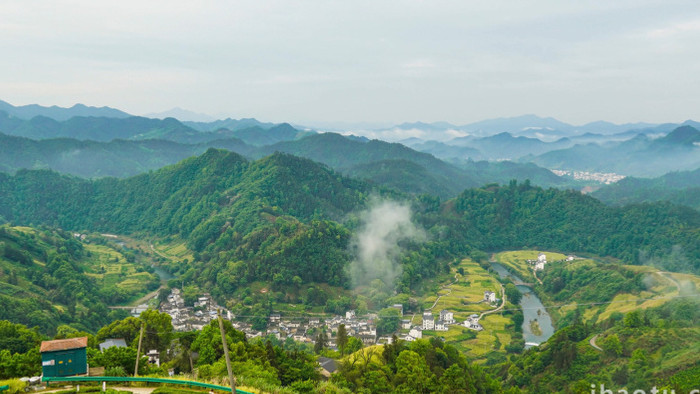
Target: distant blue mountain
{"x": 59, "y": 113}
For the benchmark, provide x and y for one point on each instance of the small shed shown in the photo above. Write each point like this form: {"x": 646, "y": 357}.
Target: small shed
{"x": 64, "y": 357}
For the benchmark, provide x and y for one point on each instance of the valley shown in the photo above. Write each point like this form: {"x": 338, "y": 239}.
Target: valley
{"x": 352, "y": 251}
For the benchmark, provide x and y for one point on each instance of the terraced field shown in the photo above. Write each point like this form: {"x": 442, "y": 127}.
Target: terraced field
{"x": 464, "y": 297}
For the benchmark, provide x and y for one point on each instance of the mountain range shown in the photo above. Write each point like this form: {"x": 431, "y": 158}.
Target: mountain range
{"x": 59, "y": 113}
{"x": 634, "y": 149}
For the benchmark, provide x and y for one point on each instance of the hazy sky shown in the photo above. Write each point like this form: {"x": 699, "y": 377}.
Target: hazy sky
{"x": 379, "y": 61}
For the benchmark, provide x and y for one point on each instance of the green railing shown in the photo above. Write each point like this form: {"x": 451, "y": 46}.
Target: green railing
{"x": 49, "y": 379}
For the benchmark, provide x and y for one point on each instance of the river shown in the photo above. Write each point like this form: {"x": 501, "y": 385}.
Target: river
{"x": 162, "y": 274}
{"x": 531, "y": 305}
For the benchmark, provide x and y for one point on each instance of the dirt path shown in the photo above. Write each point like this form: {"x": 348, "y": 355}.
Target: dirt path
{"x": 534, "y": 273}
{"x": 668, "y": 276}
{"x": 440, "y": 296}
{"x": 592, "y": 342}
{"x": 503, "y": 304}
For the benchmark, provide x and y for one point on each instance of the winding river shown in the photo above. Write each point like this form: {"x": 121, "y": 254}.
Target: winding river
{"x": 532, "y": 310}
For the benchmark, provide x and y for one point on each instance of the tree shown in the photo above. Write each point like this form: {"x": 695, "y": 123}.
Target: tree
{"x": 158, "y": 330}
{"x": 388, "y": 321}
{"x": 208, "y": 342}
{"x": 341, "y": 338}
{"x": 513, "y": 294}
{"x": 321, "y": 341}
{"x": 633, "y": 319}
{"x": 354, "y": 344}
{"x": 612, "y": 346}
{"x": 412, "y": 373}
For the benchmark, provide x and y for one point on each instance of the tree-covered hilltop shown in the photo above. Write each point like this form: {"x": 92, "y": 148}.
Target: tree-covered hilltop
{"x": 94, "y": 159}
{"x": 48, "y": 277}
{"x": 643, "y": 348}
{"x": 267, "y": 217}
{"x": 520, "y": 216}
{"x": 681, "y": 187}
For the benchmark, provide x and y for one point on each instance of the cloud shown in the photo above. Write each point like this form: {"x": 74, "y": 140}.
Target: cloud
{"x": 376, "y": 246}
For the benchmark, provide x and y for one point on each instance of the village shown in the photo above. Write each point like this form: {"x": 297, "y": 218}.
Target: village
{"x": 304, "y": 330}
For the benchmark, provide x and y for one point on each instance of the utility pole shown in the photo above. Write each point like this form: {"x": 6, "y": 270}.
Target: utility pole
{"x": 138, "y": 352}
{"x": 228, "y": 360}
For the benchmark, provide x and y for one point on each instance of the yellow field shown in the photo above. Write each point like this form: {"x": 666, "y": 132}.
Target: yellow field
{"x": 517, "y": 261}
{"x": 111, "y": 267}
{"x": 485, "y": 341}
{"x": 662, "y": 288}
{"x": 174, "y": 250}
{"x": 463, "y": 297}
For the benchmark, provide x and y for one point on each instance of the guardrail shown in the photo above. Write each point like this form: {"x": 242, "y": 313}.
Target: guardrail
{"x": 49, "y": 379}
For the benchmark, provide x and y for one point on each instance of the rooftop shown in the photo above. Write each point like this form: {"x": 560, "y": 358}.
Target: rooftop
{"x": 63, "y": 344}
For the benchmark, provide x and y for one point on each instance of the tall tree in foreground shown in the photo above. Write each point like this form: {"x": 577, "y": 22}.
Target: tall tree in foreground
{"x": 342, "y": 338}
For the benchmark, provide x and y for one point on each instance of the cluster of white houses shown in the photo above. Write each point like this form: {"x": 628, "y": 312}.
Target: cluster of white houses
{"x": 538, "y": 265}
{"x": 305, "y": 329}
{"x": 445, "y": 319}
{"x": 184, "y": 318}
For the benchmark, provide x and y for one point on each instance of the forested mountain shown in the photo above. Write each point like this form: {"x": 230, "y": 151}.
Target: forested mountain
{"x": 265, "y": 214}
{"x": 48, "y": 277}
{"x": 229, "y": 124}
{"x": 644, "y": 348}
{"x": 521, "y": 216}
{"x": 640, "y": 156}
{"x": 59, "y": 113}
{"x": 391, "y": 165}
{"x": 106, "y": 129}
{"x": 288, "y": 223}
{"x": 678, "y": 187}
{"x": 94, "y": 128}
{"x": 506, "y": 146}
{"x": 91, "y": 159}
{"x": 388, "y": 164}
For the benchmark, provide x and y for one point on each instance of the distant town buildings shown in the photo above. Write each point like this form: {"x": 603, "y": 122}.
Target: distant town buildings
{"x": 602, "y": 177}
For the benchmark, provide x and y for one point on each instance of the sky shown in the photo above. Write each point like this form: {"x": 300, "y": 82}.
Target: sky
{"x": 380, "y": 62}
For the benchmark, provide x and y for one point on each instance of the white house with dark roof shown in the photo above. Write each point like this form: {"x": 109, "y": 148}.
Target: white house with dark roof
{"x": 447, "y": 316}
{"x": 489, "y": 296}
{"x": 441, "y": 325}
{"x": 428, "y": 321}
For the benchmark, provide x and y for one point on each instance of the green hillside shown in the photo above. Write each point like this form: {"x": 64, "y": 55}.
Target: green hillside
{"x": 681, "y": 187}
{"x": 640, "y": 349}
{"x": 48, "y": 278}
